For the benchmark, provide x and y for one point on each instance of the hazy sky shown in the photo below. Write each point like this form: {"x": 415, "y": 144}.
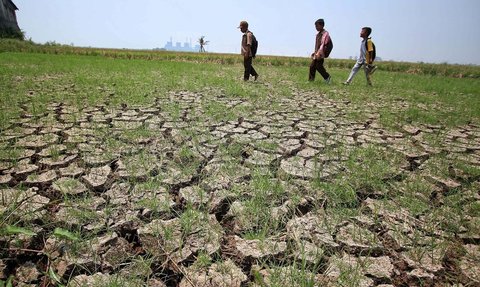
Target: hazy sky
{"x": 403, "y": 30}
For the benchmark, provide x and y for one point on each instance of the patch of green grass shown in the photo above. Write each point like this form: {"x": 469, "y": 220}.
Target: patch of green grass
{"x": 414, "y": 194}
{"x": 266, "y": 186}
{"x": 10, "y": 154}
{"x": 295, "y": 275}
{"x": 416, "y": 206}
{"x": 255, "y": 218}
{"x": 58, "y": 77}
{"x": 369, "y": 168}
{"x": 154, "y": 204}
{"x": 191, "y": 219}
{"x": 339, "y": 194}
{"x": 218, "y": 112}
{"x": 203, "y": 260}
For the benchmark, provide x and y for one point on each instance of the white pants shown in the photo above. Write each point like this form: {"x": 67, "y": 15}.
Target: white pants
{"x": 355, "y": 70}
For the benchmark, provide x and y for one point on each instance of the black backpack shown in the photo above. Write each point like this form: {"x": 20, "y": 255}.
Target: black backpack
{"x": 328, "y": 48}
{"x": 254, "y": 46}
{"x": 374, "y": 52}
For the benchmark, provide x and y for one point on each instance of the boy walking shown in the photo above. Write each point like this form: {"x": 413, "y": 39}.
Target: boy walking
{"x": 318, "y": 56}
{"x": 365, "y": 59}
{"x": 247, "y": 40}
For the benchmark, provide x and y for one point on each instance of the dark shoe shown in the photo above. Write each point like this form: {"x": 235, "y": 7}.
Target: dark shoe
{"x": 255, "y": 77}
{"x": 327, "y": 80}
{"x": 371, "y": 69}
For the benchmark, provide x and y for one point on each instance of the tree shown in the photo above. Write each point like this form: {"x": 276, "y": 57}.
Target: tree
{"x": 202, "y": 43}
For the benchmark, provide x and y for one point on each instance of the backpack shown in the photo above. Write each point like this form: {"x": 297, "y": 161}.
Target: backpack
{"x": 328, "y": 47}
{"x": 374, "y": 51}
{"x": 254, "y": 46}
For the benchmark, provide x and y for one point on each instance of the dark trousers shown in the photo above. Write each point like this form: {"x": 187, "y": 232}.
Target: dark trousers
{"x": 249, "y": 70}
{"x": 317, "y": 65}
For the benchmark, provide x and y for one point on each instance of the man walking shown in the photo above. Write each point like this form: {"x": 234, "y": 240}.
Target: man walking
{"x": 247, "y": 40}
{"x": 367, "y": 55}
{"x": 318, "y": 56}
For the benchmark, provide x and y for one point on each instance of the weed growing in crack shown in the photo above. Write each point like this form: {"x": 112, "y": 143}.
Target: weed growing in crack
{"x": 137, "y": 134}
{"x": 173, "y": 110}
{"x": 75, "y": 212}
{"x": 152, "y": 198}
{"x": 294, "y": 275}
{"x": 339, "y": 193}
{"x": 11, "y": 154}
{"x": 369, "y": 169}
{"x": 266, "y": 187}
{"x": 218, "y": 112}
{"x": 349, "y": 275}
{"x": 188, "y": 219}
{"x": 203, "y": 260}
{"x": 416, "y": 207}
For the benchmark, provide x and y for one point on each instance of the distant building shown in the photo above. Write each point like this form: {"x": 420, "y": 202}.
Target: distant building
{"x": 187, "y": 47}
{"x": 8, "y": 18}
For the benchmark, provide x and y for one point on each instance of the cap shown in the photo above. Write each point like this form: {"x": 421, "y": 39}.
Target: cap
{"x": 243, "y": 23}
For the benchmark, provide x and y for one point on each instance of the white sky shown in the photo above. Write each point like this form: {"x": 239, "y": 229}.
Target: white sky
{"x": 403, "y": 30}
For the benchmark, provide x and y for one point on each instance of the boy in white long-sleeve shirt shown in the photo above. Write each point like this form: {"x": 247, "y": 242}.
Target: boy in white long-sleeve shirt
{"x": 366, "y": 57}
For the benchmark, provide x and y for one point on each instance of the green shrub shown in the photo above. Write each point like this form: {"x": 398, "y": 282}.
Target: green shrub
{"x": 11, "y": 33}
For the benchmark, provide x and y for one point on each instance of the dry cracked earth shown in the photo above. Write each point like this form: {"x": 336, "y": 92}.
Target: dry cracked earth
{"x": 164, "y": 198}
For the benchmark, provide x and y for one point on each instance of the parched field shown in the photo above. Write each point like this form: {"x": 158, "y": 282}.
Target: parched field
{"x": 155, "y": 172}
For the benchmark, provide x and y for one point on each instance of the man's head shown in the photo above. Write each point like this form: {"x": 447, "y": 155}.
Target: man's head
{"x": 366, "y": 31}
{"x": 319, "y": 24}
{"x": 243, "y": 26}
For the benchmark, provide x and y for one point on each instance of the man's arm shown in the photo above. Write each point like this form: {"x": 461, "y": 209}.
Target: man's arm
{"x": 248, "y": 46}
{"x": 247, "y": 51}
{"x": 369, "y": 62}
